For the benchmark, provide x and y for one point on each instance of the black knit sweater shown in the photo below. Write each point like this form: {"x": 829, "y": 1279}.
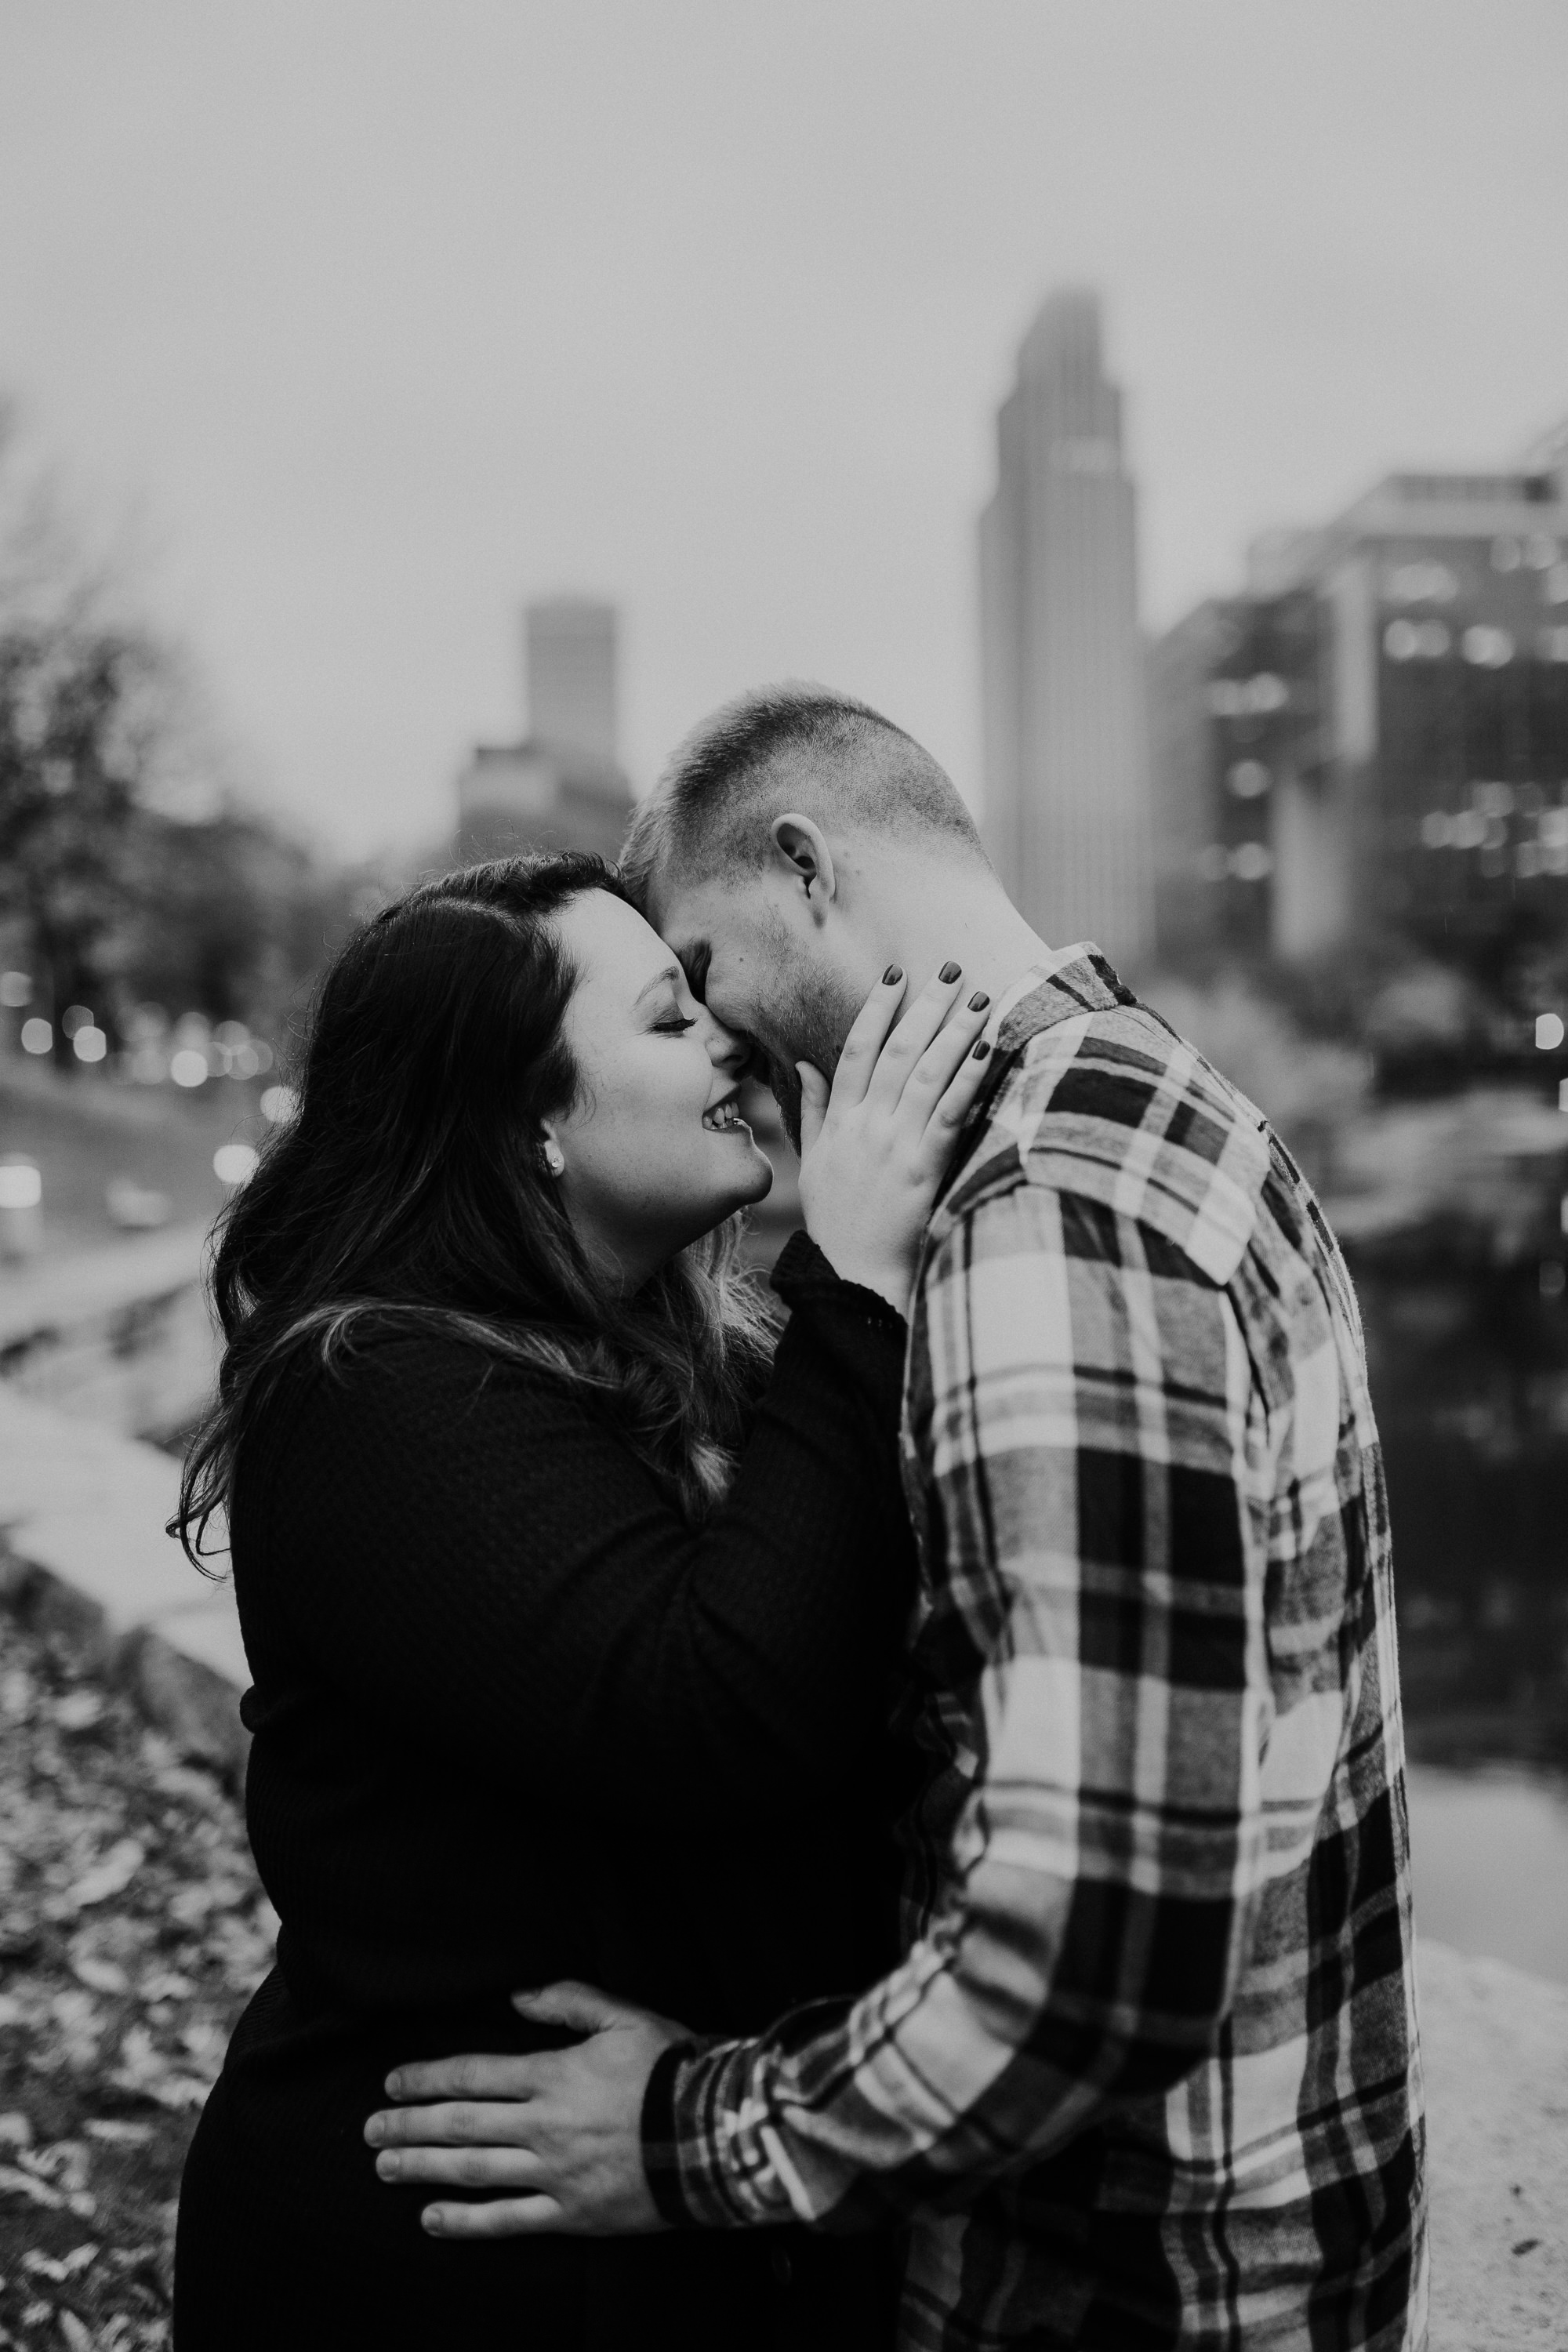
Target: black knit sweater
{"x": 514, "y": 1721}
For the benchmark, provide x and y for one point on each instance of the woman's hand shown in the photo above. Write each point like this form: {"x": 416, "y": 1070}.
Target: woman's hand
{"x": 875, "y": 1147}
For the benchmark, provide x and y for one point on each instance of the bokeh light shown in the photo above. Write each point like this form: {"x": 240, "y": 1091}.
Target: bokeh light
{"x": 234, "y": 1162}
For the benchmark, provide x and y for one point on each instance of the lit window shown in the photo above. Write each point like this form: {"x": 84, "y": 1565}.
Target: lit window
{"x": 89, "y": 1043}
{"x": 1468, "y": 830}
{"x": 1436, "y": 829}
{"x": 1251, "y": 862}
{"x": 1527, "y": 861}
{"x": 1487, "y": 648}
{"x": 1554, "y": 587}
{"x": 1493, "y": 800}
{"x": 1419, "y": 583}
{"x": 1553, "y": 645}
{"x": 280, "y": 1105}
{"x": 1248, "y": 780}
{"x": 1416, "y": 640}
{"x": 188, "y": 1067}
{"x": 15, "y": 988}
{"x": 37, "y": 1036}
{"x": 1540, "y": 553}
{"x": 1548, "y": 1032}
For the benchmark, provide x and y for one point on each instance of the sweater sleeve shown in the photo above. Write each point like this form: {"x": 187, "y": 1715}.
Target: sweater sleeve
{"x": 471, "y": 1554}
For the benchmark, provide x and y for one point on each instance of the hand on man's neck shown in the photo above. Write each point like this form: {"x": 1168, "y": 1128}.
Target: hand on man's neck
{"x": 935, "y": 912}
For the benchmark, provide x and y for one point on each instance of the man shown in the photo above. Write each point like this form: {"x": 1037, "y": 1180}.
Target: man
{"x": 1149, "y": 2073}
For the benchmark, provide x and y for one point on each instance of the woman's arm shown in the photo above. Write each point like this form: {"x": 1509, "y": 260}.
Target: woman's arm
{"x": 471, "y": 1553}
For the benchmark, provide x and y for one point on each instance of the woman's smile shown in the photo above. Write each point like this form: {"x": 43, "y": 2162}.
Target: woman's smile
{"x": 723, "y": 1116}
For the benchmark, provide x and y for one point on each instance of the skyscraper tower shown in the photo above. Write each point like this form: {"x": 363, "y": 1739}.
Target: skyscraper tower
{"x": 1066, "y": 768}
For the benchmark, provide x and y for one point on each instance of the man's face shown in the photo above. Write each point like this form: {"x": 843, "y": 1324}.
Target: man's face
{"x": 752, "y": 954}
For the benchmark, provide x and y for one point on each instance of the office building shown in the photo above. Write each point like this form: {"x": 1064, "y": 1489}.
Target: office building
{"x": 1065, "y": 754}
{"x": 1372, "y": 741}
{"x": 561, "y": 787}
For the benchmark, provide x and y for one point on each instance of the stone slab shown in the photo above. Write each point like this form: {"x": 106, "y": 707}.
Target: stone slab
{"x": 93, "y": 1284}
{"x": 82, "y": 1545}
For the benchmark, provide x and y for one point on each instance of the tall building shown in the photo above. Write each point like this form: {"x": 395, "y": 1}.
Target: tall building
{"x": 1067, "y": 787}
{"x": 1373, "y": 738}
{"x": 561, "y": 787}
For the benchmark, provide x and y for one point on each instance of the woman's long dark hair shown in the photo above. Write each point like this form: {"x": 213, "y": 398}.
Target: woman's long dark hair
{"x": 410, "y": 1191}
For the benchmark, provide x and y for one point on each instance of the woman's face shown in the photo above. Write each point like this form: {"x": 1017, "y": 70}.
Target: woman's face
{"x": 656, "y": 1152}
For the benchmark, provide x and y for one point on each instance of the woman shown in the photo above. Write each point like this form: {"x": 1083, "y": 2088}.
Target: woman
{"x": 568, "y": 1598}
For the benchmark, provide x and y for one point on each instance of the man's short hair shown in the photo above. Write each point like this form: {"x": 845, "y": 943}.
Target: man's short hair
{"x": 837, "y": 760}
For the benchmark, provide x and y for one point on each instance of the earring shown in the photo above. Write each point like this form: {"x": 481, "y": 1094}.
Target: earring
{"x": 555, "y": 1159}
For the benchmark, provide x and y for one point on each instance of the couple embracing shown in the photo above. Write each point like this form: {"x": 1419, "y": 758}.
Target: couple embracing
{"x": 881, "y": 1827}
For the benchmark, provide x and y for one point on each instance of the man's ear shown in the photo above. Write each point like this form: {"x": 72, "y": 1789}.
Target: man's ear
{"x": 798, "y": 844}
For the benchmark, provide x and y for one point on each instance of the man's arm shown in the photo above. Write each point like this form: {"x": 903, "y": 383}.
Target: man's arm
{"x": 1099, "y": 1469}
{"x": 1096, "y": 1463}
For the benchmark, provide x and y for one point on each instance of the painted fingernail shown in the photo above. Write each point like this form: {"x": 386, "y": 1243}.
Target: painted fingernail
{"x": 893, "y": 976}
{"x": 949, "y": 974}
{"x": 979, "y": 1000}
{"x": 376, "y": 2130}
{"x": 434, "y": 2219}
{"x": 386, "y": 2164}
{"x": 394, "y": 2085}
{"x": 982, "y": 1050}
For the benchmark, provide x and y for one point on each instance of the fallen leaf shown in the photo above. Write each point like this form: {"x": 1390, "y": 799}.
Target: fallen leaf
{"x": 115, "y": 2133}
{"x": 78, "y": 1710}
{"x": 111, "y": 1877}
{"x": 22, "y": 2184}
{"x": 102, "y": 1976}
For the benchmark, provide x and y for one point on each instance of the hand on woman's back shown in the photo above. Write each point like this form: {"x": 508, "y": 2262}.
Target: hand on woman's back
{"x": 875, "y": 1145}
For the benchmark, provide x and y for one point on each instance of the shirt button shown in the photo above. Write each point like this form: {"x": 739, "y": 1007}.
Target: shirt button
{"x": 783, "y": 2269}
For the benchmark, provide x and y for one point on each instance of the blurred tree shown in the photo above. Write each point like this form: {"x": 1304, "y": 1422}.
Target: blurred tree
{"x": 75, "y": 715}
{"x": 108, "y": 895}
{"x": 230, "y": 916}
{"x": 86, "y": 712}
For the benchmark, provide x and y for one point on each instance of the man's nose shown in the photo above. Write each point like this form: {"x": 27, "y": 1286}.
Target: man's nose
{"x": 729, "y": 1049}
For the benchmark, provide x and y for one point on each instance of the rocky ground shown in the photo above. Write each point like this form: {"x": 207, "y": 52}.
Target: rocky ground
{"x": 132, "y": 1930}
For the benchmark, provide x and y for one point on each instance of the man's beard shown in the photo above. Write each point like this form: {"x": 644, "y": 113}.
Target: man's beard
{"x": 816, "y": 1015}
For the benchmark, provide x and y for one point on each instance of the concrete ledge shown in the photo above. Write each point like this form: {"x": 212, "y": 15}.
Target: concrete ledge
{"x": 1496, "y": 2051}
{"x": 120, "y": 1335}
{"x": 82, "y": 1513}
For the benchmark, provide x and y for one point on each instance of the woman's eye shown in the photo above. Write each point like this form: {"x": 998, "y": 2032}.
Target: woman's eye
{"x": 676, "y": 1026}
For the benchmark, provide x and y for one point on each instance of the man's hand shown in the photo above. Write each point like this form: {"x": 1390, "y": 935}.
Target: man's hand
{"x": 563, "y": 2126}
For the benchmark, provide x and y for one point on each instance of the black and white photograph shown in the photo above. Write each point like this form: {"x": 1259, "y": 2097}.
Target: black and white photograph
{"x": 784, "y": 1176}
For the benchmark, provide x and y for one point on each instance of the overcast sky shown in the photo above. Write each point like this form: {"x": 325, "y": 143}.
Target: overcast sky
{"x": 368, "y": 318}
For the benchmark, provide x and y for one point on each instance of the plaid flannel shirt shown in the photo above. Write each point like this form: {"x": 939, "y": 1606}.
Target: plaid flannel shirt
{"x": 1149, "y": 2073}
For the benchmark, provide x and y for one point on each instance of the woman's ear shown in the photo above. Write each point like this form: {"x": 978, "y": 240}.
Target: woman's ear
{"x": 799, "y": 845}
{"x": 554, "y": 1158}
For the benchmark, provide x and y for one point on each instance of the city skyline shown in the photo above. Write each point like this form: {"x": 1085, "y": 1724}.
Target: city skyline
{"x": 1066, "y": 764}
{"x": 723, "y": 335}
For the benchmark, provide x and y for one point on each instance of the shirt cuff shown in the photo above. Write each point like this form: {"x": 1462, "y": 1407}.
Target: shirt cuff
{"x": 693, "y": 2156}
{"x": 801, "y": 1272}
{"x": 660, "y": 2152}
